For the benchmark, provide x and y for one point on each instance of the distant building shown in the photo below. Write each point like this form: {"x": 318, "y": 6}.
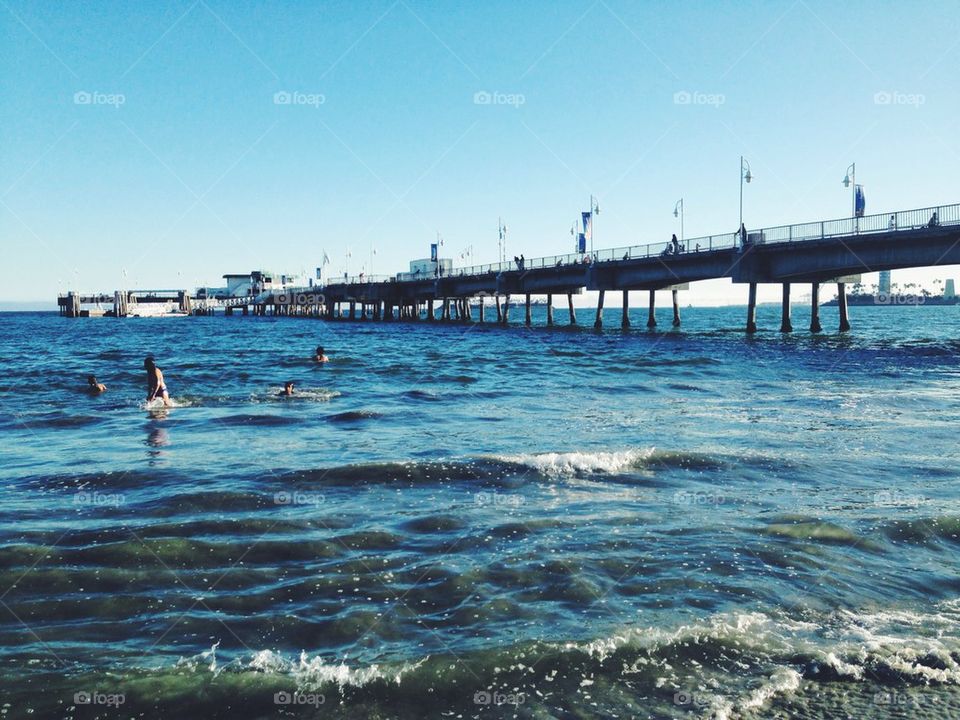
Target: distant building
{"x": 426, "y": 269}
{"x": 949, "y": 291}
{"x": 884, "y": 283}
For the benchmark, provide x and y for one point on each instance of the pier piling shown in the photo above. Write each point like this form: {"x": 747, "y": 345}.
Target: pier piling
{"x": 573, "y": 313}
{"x": 752, "y": 309}
{"x": 625, "y": 317}
{"x": 482, "y": 306}
{"x": 842, "y": 307}
{"x": 598, "y": 323}
{"x": 676, "y": 309}
{"x": 527, "y": 318}
{"x": 549, "y": 309}
{"x": 652, "y": 314}
{"x": 785, "y": 324}
{"x": 506, "y": 309}
{"x": 496, "y": 302}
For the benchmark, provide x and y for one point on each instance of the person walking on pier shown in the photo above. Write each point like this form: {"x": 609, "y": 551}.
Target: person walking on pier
{"x": 94, "y": 387}
{"x": 676, "y": 244}
{"x": 319, "y": 356}
{"x": 156, "y": 387}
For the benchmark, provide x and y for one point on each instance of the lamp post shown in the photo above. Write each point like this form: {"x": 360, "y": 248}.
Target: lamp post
{"x": 594, "y": 210}
{"x": 745, "y": 174}
{"x": 850, "y": 179}
{"x": 502, "y": 242}
{"x": 678, "y": 212}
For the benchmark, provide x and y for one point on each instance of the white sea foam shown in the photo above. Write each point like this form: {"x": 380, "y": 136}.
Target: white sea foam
{"x": 579, "y": 463}
{"x": 312, "y": 673}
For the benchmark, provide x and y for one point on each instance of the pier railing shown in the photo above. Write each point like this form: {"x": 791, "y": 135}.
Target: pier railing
{"x": 903, "y": 220}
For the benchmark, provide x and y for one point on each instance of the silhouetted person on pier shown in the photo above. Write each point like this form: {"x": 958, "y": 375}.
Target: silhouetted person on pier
{"x": 94, "y": 387}
{"x": 319, "y": 356}
{"x": 934, "y": 220}
{"x": 287, "y": 389}
{"x": 743, "y": 236}
{"x": 156, "y": 387}
{"x": 676, "y": 244}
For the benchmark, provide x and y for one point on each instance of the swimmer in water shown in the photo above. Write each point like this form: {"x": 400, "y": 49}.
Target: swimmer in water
{"x": 156, "y": 387}
{"x": 287, "y": 389}
{"x": 94, "y": 387}
{"x": 319, "y": 356}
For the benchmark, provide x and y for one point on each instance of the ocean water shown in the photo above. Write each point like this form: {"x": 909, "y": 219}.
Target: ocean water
{"x": 461, "y": 521}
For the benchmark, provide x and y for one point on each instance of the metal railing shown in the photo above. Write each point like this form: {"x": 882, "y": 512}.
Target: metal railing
{"x": 904, "y": 220}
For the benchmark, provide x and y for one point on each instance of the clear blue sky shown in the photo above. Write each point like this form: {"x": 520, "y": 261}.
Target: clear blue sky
{"x": 199, "y": 172}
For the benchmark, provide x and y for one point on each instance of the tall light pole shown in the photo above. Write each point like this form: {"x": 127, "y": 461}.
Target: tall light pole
{"x": 594, "y": 210}
{"x": 502, "y": 242}
{"x": 850, "y": 178}
{"x": 744, "y": 175}
{"x": 676, "y": 208}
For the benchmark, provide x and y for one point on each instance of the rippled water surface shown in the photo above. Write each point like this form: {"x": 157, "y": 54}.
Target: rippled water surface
{"x": 476, "y": 521}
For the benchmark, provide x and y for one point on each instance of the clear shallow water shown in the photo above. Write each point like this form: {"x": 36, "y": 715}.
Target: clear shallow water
{"x": 565, "y": 522}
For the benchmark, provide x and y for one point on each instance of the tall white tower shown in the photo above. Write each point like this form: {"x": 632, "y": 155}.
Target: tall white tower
{"x": 884, "y": 284}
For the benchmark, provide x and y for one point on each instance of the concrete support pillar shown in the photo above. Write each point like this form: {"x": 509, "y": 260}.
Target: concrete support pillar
{"x": 815, "y": 326}
{"x": 676, "y": 309}
{"x": 752, "y": 309}
{"x": 785, "y": 324}
{"x": 598, "y": 323}
{"x": 527, "y": 318}
{"x": 246, "y": 310}
{"x": 625, "y": 315}
{"x": 430, "y": 315}
{"x": 496, "y": 301}
{"x": 468, "y": 309}
{"x": 549, "y": 309}
{"x": 573, "y": 313}
{"x": 353, "y": 310}
{"x": 506, "y": 309}
{"x": 842, "y": 307}
{"x": 482, "y": 306}
{"x": 652, "y": 310}
{"x": 445, "y": 311}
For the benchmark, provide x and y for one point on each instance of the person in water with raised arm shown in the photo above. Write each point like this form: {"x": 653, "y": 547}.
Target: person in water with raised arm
{"x": 156, "y": 387}
{"x": 94, "y": 387}
{"x": 319, "y": 356}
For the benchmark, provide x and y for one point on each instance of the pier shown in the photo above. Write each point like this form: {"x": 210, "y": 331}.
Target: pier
{"x": 813, "y": 253}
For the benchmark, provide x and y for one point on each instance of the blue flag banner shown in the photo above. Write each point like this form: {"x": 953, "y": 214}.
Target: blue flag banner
{"x": 433, "y": 252}
{"x": 860, "y": 201}
{"x": 581, "y": 243}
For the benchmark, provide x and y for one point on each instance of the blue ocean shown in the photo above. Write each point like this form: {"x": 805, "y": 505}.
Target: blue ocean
{"x": 454, "y": 520}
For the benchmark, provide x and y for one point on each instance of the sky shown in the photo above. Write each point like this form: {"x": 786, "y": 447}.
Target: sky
{"x": 161, "y": 145}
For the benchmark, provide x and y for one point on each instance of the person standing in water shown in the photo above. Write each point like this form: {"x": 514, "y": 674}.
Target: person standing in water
{"x": 156, "y": 387}
{"x": 319, "y": 356}
{"x": 94, "y": 387}
{"x": 287, "y": 389}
